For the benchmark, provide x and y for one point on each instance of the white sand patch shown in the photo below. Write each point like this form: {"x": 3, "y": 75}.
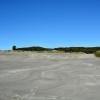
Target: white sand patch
{"x": 49, "y": 76}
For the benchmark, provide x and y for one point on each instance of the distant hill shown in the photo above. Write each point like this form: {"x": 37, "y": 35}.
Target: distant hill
{"x": 35, "y": 48}
{"x": 64, "y": 49}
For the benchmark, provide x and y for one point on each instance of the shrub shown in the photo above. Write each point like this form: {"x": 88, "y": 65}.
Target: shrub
{"x": 97, "y": 53}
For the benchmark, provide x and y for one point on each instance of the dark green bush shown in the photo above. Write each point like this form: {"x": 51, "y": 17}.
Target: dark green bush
{"x": 97, "y": 53}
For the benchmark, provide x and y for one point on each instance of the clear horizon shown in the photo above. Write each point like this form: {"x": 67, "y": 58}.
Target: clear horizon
{"x": 49, "y": 23}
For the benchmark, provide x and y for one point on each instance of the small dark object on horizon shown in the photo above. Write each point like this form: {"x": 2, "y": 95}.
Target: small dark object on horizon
{"x": 13, "y": 47}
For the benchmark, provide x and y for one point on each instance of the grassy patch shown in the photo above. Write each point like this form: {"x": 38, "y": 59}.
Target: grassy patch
{"x": 97, "y": 53}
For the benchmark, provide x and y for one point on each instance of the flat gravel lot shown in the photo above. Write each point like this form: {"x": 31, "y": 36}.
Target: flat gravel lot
{"x": 49, "y": 76}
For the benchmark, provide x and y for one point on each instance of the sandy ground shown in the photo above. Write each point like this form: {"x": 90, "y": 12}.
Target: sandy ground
{"x": 45, "y": 76}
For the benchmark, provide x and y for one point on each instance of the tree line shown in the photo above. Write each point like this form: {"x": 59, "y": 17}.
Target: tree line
{"x": 87, "y": 50}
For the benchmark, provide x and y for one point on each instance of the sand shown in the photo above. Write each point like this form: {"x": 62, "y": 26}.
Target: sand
{"x": 49, "y": 76}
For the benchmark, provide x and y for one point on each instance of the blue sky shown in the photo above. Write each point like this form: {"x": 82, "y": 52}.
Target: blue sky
{"x": 49, "y": 23}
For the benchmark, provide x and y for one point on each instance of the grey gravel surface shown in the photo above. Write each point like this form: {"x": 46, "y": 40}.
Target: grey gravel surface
{"x": 49, "y": 76}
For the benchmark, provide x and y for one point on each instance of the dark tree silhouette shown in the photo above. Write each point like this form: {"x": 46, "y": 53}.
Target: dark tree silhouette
{"x": 13, "y": 47}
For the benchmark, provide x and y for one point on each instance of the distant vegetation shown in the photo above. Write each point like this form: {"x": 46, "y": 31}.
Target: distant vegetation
{"x": 97, "y": 53}
{"x": 36, "y": 48}
{"x": 87, "y": 50}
